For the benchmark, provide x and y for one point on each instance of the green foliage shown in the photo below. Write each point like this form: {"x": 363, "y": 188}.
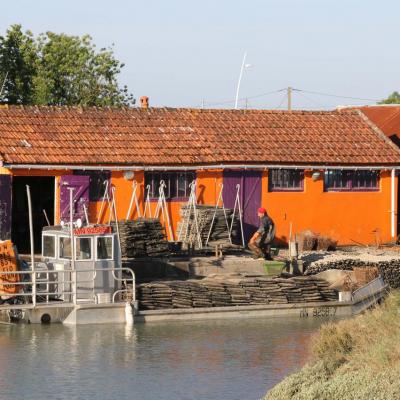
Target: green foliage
{"x": 394, "y": 98}
{"x": 18, "y": 62}
{"x": 58, "y": 69}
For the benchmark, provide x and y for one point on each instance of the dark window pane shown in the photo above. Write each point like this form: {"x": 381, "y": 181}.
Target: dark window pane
{"x": 49, "y": 246}
{"x": 104, "y": 248}
{"x": 166, "y": 178}
{"x": 156, "y": 184}
{"x": 177, "y": 183}
{"x": 351, "y": 180}
{"x": 97, "y": 181}
{"x": 337, "y": 179}
{"x": 65, "y": 247}
{"x": 286, "y": 179}
{"x": 83, "y": 249}
{"x": 181, "y": 184}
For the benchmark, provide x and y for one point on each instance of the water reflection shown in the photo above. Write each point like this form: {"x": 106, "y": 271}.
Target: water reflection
{"x": 196, "y": 360}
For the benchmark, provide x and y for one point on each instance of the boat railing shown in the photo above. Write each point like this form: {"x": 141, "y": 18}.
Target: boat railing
{"x": 372, "y": 288}
{"x": 28, "y": 288}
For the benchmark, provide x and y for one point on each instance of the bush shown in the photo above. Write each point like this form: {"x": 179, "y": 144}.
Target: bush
{"x": 357, "y": 358}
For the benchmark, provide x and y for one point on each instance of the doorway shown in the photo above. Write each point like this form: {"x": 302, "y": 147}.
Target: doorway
{"x": 42, "y": 195}
{"x": 249, "y": 196}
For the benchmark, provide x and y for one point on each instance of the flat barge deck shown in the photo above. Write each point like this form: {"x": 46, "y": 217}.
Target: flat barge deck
{"x": 362, "y": 299}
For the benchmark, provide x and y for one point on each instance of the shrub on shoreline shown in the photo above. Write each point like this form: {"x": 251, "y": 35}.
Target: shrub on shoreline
{"x": 357, "y": 358}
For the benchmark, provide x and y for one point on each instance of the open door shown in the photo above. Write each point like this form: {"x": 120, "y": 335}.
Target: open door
{"x": 5, "y": 207}
{"x": 80, "y": 185}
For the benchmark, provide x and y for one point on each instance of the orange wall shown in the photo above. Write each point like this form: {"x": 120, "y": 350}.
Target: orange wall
{"x": 208, "y": 186}
{"x": 4, "y": 171}
{"x": 348, "y": 217}
{"x": 123, "y": 194}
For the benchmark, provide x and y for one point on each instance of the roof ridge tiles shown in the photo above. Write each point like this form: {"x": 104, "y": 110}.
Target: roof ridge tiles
{"x": 168, "y": 109}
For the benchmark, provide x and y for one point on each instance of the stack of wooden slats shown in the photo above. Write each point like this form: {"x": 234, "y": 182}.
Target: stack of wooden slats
{"x": 220, "y": 297}
{"x": 273, "y": 291}
{"x": 219, "y": 233}
{"x": 144, "y": 237}
{"x": 233, "y": 292}
{"x": 155, "y": 296}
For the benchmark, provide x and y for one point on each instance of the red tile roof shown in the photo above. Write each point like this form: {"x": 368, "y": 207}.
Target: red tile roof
{"x": 385, "y": 117}
{"x": 166, "y": 136}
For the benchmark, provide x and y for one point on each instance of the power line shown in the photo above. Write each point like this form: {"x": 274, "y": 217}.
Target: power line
{"x": 244, "y": 98}
{"x": 335, "y": 95}
{"x": 300, "y": 91}
{"x": 312, "y": 100}
{"x": 281, "y": 102}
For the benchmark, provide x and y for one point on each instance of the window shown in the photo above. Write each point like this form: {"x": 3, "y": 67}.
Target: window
{"x": 96, "y": 183}
{"x": 104, "y": 248}
{"x": 351, "y": 180}
{"x": 83, "y": 248}
{"x": 49, "y": 246}
{"x": 282, "y": 180}
{"x": 65, "y": 247}
{"x": 177, "y": 184}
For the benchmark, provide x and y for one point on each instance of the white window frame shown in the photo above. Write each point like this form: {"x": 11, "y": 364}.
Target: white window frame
{"x": 59, "y": 246}
{"x": 112, "y": 248}
{"x": 55, "y": 246}
{"x": 76, "y": 246}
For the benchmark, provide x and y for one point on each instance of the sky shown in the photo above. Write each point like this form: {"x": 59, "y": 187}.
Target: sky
{"x": 186, "y": 53}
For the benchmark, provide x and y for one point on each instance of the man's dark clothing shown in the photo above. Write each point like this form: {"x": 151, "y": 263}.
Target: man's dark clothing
{"x": 266, "y": 229}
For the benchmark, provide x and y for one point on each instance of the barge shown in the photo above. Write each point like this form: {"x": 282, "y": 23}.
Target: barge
{"x": 360, "y": 300}
{"x": 79, "y": 280}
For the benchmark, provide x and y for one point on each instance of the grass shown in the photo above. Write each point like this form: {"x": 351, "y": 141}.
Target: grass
{"x": 357, "y": 358}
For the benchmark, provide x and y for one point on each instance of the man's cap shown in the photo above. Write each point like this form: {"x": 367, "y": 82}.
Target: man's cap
{"x": 262, "y": 210}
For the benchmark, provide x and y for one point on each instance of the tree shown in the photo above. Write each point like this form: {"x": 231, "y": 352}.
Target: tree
{"x": 18, "y": 59}
{"x": 394, "y": 98}
{"x": 58, "y": 69}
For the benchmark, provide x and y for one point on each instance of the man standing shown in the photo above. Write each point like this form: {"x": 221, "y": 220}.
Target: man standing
{"x": 260, "y": 242}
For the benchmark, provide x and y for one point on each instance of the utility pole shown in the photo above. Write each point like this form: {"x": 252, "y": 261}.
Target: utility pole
{"x": 289, "y": 98}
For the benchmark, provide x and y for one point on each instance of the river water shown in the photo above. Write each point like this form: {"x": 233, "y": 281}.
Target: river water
{"x": 230, "y": 359}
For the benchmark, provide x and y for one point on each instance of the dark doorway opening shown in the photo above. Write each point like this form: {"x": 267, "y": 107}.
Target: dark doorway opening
{"x": 42, "y": 194}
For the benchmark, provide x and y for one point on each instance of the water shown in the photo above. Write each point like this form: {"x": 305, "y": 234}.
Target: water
{"x": 231, "y": 359}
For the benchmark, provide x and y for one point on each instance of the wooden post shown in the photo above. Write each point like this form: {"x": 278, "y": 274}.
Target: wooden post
{"x": 71, "y": 233}
{"x": 33, "y": 279}
{"x": 289, "y": 98}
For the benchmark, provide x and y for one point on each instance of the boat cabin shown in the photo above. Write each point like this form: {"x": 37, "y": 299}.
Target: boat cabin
{"x": 96, "y": 256}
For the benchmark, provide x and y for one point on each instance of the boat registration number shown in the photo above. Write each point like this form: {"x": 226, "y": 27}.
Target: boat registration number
{"x": 318, "y": 312}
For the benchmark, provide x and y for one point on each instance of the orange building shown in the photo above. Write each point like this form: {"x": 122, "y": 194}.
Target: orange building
{"x": 333, "y": 172}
